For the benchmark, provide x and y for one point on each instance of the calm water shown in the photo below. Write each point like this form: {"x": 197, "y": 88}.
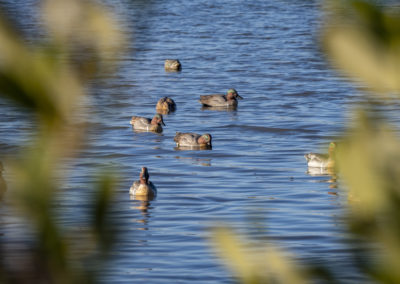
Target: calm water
{"x": 254, "y": 179}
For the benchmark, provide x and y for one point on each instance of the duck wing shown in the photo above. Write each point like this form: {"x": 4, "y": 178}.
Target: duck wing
{"x": 186, "y": 139}
{"x": 138, "y": 121}
{"x": 213, "y": 100}
{"x": 134, "y": 187}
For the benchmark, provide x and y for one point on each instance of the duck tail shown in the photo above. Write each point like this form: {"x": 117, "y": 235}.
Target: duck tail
{"x": 133, "y": 119}
{"x": 177, "y": 135}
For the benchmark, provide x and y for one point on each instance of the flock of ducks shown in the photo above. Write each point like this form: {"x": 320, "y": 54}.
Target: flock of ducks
{"x": 145, "y": 188}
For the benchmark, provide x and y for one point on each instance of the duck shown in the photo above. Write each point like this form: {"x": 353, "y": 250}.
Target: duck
{"x": 165, "y": 105}
{"x": 143, "y": 187}
{"x": 315, "y": 160}
{"x": 172, "y": 65}
{"x": 220, "y": 100}
{"x": 193, "y": 140}
{"x": 147, "y": 124}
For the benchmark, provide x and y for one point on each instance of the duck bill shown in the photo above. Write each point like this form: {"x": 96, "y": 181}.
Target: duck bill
{"x": 162, "y": 121}
{"x": 239, "y": 97}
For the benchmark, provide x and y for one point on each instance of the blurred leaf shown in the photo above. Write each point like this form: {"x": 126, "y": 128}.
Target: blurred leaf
{"x": 255, "y": 264}
{"x": 369, "y": 161}
{"x": 104, "y": 227}
{"x": 363, "y": 40}
{"x": 48, "y": 80}
{"x": 86, "y": 33}
{"x": 36, "y": 80}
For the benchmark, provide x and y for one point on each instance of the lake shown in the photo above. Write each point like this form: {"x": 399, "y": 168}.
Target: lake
{"x": 255, "y": 177}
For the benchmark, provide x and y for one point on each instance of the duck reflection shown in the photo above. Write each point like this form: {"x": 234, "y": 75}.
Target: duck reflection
{"x": 227, "y": 109}
{"x": 142, "y": 203}
{"x": 188, "y": 148}
{"x": 330, "y": 173}
{"x": 195, "y": 161}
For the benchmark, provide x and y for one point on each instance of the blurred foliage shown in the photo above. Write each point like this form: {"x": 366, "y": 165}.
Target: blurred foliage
{"x": 362, "y": 40}
{"x": 255, "y": 264}
{"x": 48, "y": 79}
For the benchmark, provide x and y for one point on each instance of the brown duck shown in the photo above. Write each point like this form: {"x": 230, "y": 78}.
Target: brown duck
{"x": 143, "y": 187}
{"x": 165, "y": 105}
{"x": 146, "y": 124}
{"x": 172, "y": 65}
{"x": 193, "y": 140}
{"x": 220, "y": 100}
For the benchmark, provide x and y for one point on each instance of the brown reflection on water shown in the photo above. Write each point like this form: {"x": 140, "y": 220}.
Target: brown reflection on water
{"x": 187, "y": 148}
{"x": 142, "y": 204}
{"x": 325, "y": 172}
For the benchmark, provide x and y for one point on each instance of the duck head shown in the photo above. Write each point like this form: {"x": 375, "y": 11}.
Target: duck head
{"x": 205, "y": 139}
{"x": 232, "y": 94}
{"x": 144, "y": 176}
{"x": 158, "y": 119}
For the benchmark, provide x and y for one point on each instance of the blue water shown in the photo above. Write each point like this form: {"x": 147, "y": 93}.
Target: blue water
{"x": 254, "y": 179}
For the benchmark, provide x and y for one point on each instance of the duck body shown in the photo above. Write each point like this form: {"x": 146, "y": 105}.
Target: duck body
{"x": 192, "y": 140}
{"x": 139, "y": 189}
{"x": 143, "y": 187}
{"x": 315, "y": 160}
{"x": 146, "y": 124}
{"x": 219, "y": 100}
{"x": 165, "y": 105}
{"x": 172, "y": 65}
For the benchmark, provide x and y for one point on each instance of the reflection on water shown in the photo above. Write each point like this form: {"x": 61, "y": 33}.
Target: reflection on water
{"x": 324, "y": 172}
{"x": 195, "y": 161}
{"x": 146, "y": 131}
{"x": 314, "y": 171}
{"x": 195, "y": 148}
{"x": 227, "y": 108}
{"x": 142, "y": 204}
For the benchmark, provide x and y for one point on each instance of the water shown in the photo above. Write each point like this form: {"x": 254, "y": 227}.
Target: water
{"x": 254, "y": 179}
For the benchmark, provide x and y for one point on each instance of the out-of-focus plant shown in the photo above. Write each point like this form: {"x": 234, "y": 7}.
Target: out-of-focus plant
{"x": 255, "y": 263}
{"x": 48, "y": 79}
{"x": 361, "y": 39}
